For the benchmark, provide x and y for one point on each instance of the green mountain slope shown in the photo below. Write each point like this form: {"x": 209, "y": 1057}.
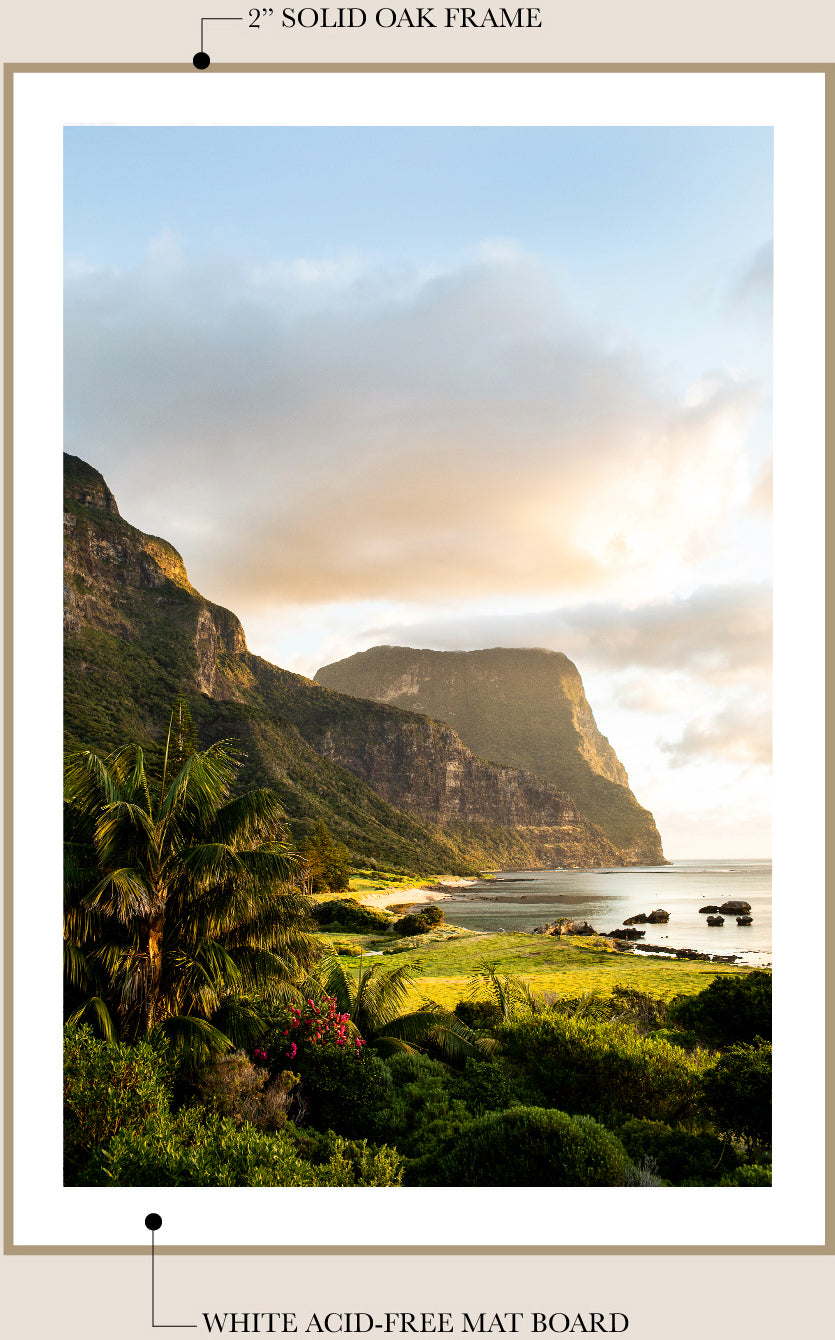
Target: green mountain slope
{"x": 522, "y": 707}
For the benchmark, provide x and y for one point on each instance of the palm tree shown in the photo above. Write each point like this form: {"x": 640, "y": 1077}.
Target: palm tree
{"x": 510, "y": 994}
{"x": 375, "y": 1000}
{"x": 179, "y": 898}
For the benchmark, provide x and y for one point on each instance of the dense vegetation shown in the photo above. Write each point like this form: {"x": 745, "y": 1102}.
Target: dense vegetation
{"x": 571, "y": 1094}
{"x": 318, "y": 1071}
{"x": 181, "y": 901}
{"x": 213, "y": 1038}
{"x": 225, "y": 1021}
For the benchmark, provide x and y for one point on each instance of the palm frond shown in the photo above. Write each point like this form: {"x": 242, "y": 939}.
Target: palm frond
{"x": 95, "y": 1012}
{"x": 195, "y": 1037}
{"x": 77, "y": 969}
{"x": 121, "y": 894}
{"x": 438, "y": 1027}
{"x": 178, "y": 904}
{"x": 252, "y": 818}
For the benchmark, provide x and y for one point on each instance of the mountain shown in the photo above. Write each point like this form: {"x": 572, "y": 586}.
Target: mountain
{"x": 525, "y": 708}
{"x": 398, "y": 788}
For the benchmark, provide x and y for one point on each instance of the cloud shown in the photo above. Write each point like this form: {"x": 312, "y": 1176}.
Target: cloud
{"x": 333, "y": 431}
{"x": 697, "y": 668}
{"x": 740, "y": 732}
{"x": 720, "y": 635}
{"x": 752, "y": 293}
{"x": 762, "y": 492}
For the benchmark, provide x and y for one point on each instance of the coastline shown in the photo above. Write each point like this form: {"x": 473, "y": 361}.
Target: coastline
{"x": 438, "y": 892}
{"x": 718, "y": 948}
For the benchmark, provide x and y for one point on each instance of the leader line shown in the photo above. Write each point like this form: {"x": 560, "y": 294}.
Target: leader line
{"x": 153, "y": 1222}
{"x": 201, "y": 61}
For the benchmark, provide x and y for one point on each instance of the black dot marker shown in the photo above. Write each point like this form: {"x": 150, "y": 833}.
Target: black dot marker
{"x": 153, "y": 1221}
{"x": 201, "y": 61}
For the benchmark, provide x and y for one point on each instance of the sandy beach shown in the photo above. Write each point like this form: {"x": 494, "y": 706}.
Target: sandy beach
{"x": 427, "y": 893}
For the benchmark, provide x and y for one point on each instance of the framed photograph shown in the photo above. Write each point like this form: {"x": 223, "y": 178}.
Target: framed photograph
{"x": 417, "y": 435}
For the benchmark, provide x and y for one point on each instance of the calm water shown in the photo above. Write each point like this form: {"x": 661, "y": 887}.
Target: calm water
{"x": 519, "y": 900}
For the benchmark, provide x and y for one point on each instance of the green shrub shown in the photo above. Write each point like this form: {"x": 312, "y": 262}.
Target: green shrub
{"x": 749, "y": 1174}
{"x": 351, "y": 916}
{"x": 526, "y": 1146}
{"x": 233, "y": 1087}
{"x": 340, "y": 1088}
{"x": 480, "y": 1015}
{"x": 194, "y": 1148}
{"x": 356, "y": 1162}
{"x": 603, "y": 1068}
{"x": 648, "y": 1010}
{"x": 737, "y": 1091}
{"x": 328, "y": 861}
{"x": 418, "y": 923}
{"x": 679, "y": 1157}
{"x": 730, "y": 1009}
{"x": 423, "y": 1108}
{"x": 109, "y": 1087}
{"x": 485, "y": 1086}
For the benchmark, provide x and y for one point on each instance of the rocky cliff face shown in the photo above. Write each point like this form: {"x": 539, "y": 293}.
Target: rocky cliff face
{"x": 395, "y": 786}
{"x": 116, "y": 578}
{"x": 522, "y": 707}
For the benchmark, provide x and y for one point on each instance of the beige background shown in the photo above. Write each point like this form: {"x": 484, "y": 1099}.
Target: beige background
{"x": 666, "y": 1298}
{"x": 586, "y": 30}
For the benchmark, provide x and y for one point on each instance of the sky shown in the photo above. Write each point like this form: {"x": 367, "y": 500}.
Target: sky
{"x": 455, "y": 388}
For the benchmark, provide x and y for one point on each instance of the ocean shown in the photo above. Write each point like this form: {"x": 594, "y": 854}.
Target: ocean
{"x": 518, "y": 900}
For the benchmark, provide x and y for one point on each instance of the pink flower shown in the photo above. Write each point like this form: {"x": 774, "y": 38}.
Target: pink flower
{"x": 292, "y": 1050}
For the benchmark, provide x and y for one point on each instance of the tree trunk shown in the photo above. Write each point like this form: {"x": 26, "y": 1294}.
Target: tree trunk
{"x": 154, "y": 973}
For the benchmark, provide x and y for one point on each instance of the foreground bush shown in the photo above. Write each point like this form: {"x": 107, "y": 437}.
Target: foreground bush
{"x": 750, "y": 1174}
{"x": 419, "y": 923}
{"x": 679, "y": 1157}
{"x": 327, "y": 861}
{"x": 358, "y": 1163}
{"x": 421, "y": 1105}
{"x": 109, "y": 1087}
{"x": 481, "y": 1015}
{"x": 194, "y": 1148}
{"x": 737, "y": 1092}
{"x": 603, "y": 1068}
{"x": 339, "y": 1090}
{"x": 233, "y": 1087}
{"x": 731, "y": 1009}
{"x": 526, "y": 1146}
{"x": 351, "y": 916}
{"x": 486, "y": 1086}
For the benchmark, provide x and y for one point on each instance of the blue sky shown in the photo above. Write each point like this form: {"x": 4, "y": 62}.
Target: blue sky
{"x": 447, "y": 386}
{"x": 640, "y": 223}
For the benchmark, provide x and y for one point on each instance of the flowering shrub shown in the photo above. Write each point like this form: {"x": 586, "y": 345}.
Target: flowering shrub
{"x": 298, "y": 1031}
{"x": 340, "y": 1077}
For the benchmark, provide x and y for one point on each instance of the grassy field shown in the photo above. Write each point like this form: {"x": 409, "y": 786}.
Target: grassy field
{"x": 382, "y": 881}
{"x": 567, "y": 966}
